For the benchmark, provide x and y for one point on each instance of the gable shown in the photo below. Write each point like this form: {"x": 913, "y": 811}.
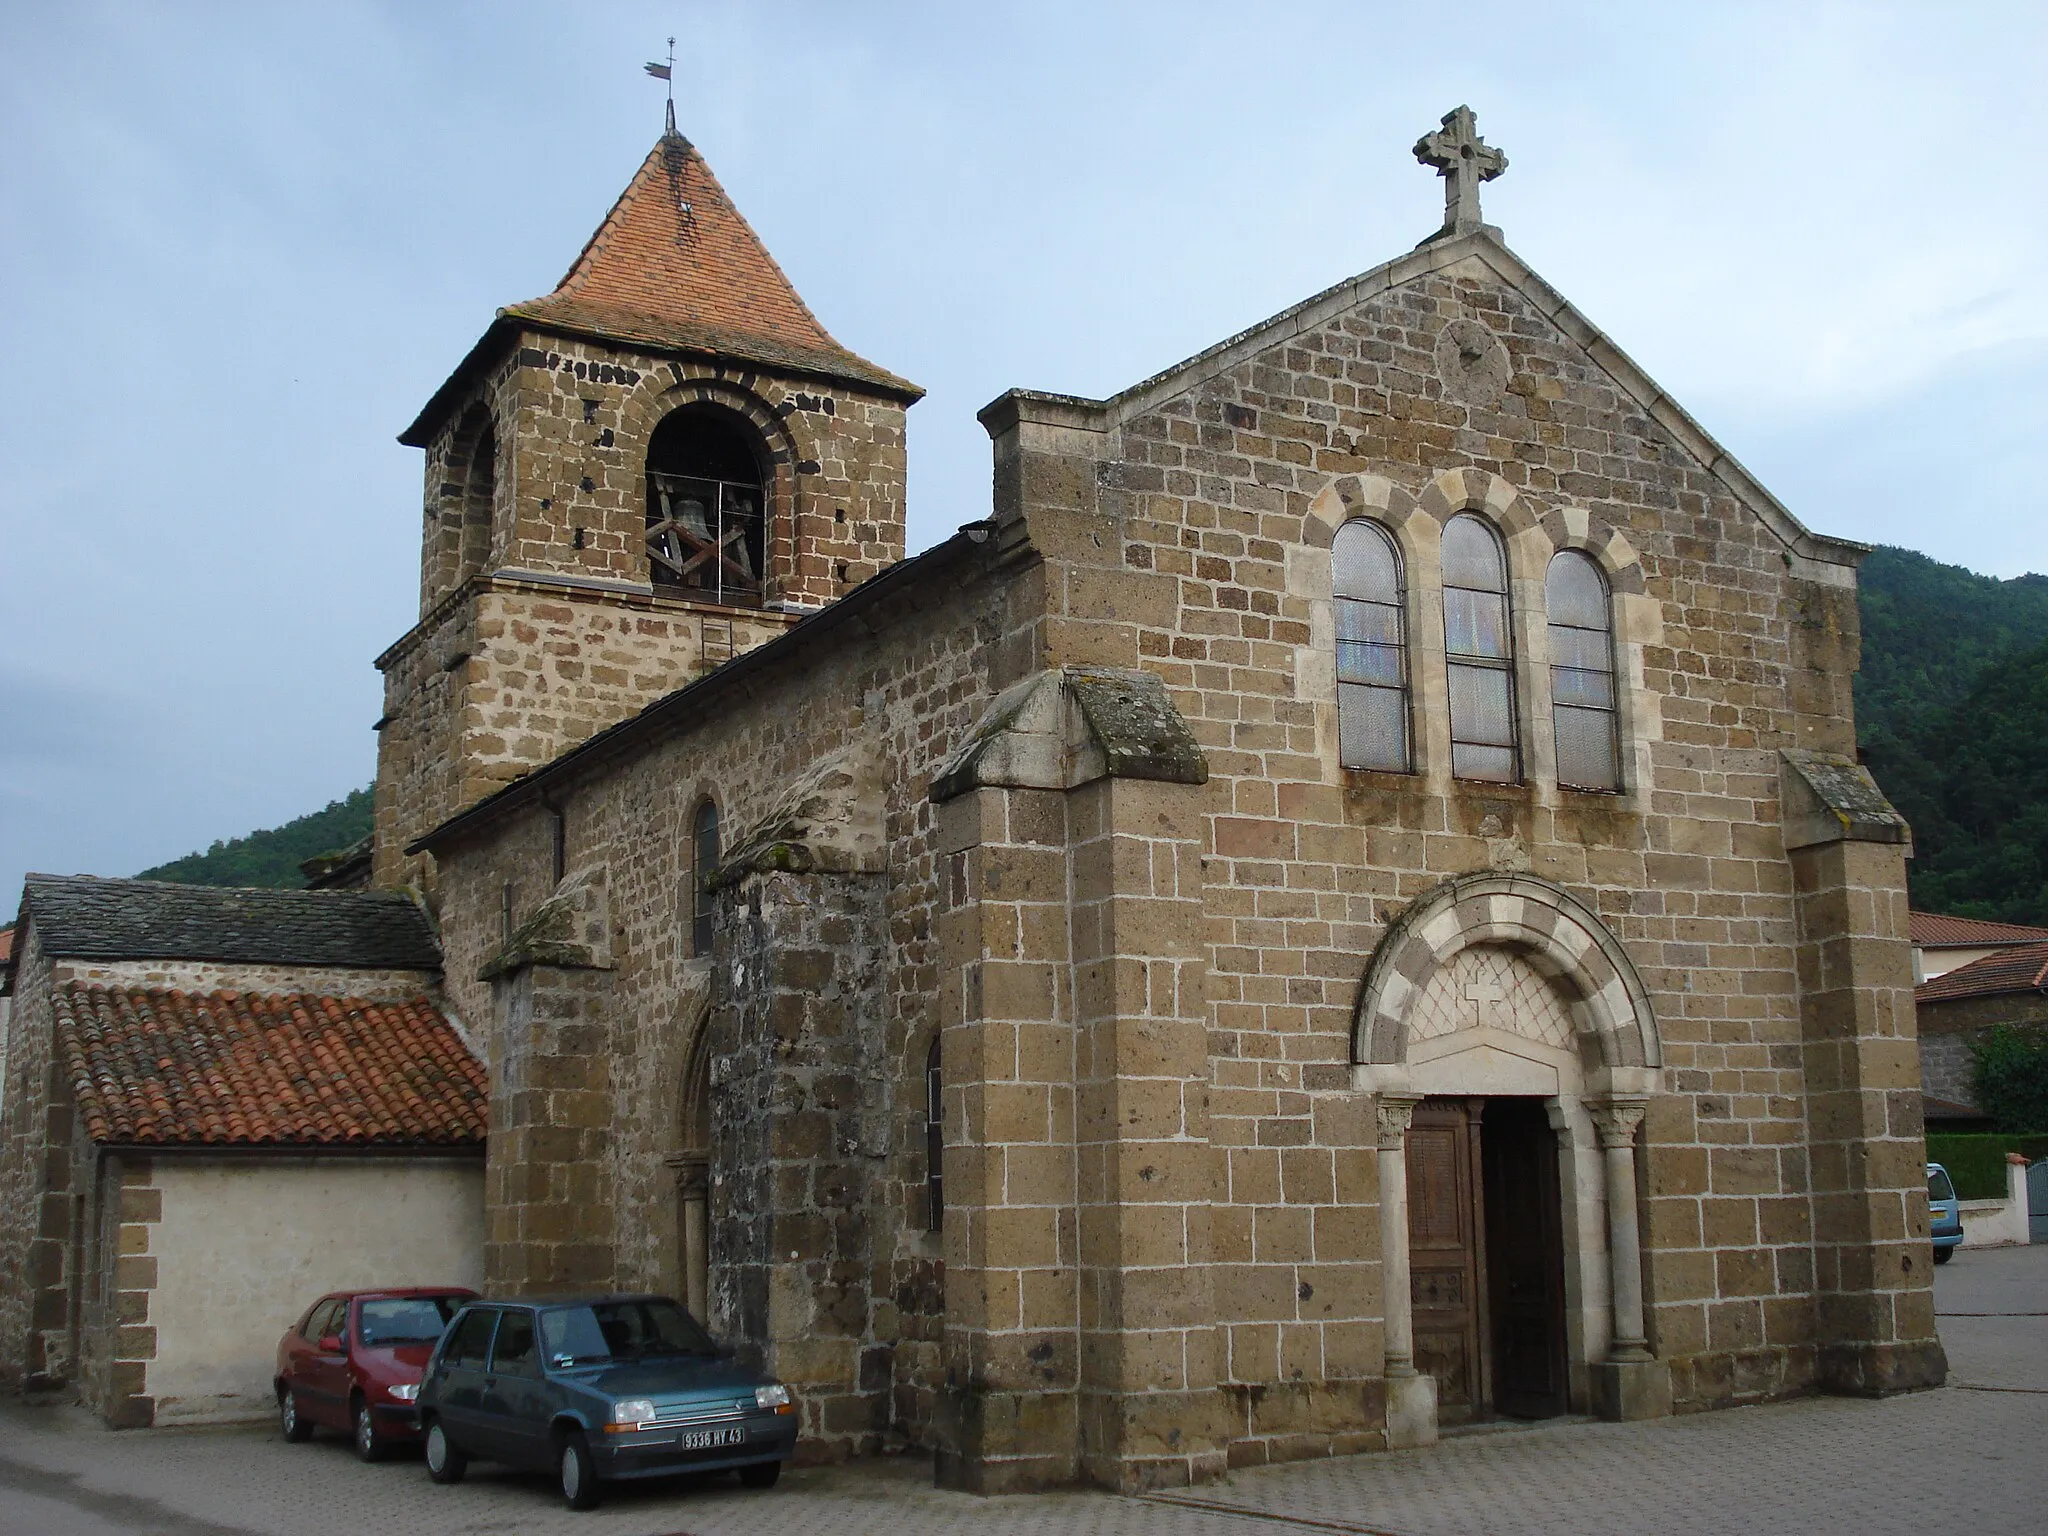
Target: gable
{"x": 1478, "y": 262}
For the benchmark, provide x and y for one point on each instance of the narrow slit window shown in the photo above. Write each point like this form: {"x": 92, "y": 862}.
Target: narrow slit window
{"x": 1582, "y": 672}
{"x": 1372, "y": 649}
{"x": 1479, "y": 652}
{"x": 703, "y": 865}
{"x": 934, "y": 1143}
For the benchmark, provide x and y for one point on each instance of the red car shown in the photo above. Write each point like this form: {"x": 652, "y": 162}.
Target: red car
{"x": 354, "y": 1362}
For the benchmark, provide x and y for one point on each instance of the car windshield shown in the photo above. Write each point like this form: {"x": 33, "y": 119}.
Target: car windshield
{"x": 607, "y": 1331}
{"x": 407, "y": 1319}
{"x": 1938, "y": 1186}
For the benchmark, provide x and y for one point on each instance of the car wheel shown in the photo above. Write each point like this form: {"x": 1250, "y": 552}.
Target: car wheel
{"x": 1943, "y": 1255}
{"x": 445, "y": 1463}
{"x": 296, "y": 1429}
{"x": 761, "y": 1475}
{"x": 578, "y": 1473}
{"x": 369, "y": 1444}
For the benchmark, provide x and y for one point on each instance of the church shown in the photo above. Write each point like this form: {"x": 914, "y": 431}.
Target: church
{"x": 1344, "y": 906}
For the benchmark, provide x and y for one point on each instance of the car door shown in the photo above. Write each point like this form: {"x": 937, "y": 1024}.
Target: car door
{"x": 459, "y": 1381}
{"x": 515, "y": 1406}
{"x": 298, "y": 1352}
{"x": 323, "y": 1370}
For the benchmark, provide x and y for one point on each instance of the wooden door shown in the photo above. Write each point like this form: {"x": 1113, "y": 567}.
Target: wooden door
{"x": 1444, "y": 1266}
{"x": 1524, "y": 1259}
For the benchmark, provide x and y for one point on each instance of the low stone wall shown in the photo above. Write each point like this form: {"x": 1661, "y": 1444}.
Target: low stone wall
{"x": 1999, "y": 1223}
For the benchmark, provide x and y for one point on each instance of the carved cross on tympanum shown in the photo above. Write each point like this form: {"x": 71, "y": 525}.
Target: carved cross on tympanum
{"x": 1464, "y": 160}
{"x": 1484, "y": 992}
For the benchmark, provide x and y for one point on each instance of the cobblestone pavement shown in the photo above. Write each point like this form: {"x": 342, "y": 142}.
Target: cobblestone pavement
{"x": 1968, "y": 1457}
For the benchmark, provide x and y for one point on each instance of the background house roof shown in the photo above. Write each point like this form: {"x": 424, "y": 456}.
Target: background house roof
{"x": 2022, "y": 968}
{"x": 182, "y": 1069}
{"x": 1931, "y": 930}
{"x": 83, "y": 917}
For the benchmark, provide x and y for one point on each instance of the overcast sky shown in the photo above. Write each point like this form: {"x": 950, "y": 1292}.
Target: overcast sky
{"x": 243, "y": 244}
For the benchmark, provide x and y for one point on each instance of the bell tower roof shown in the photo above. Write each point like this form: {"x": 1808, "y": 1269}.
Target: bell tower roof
{"x": 675, "y": 267}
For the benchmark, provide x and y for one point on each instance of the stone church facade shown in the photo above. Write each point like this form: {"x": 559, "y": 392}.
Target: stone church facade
{"x": 1344, "y": 905}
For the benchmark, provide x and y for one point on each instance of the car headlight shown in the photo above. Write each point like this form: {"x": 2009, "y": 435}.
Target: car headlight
{"x": 633, "y": 1413}
{"x": 405, "y": 1391}
{"x": 776, "y": 1396}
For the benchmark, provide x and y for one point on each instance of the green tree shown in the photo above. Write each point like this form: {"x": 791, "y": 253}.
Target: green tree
{"x": 2011, "y": 1075}
{"x": 272, "y": 857}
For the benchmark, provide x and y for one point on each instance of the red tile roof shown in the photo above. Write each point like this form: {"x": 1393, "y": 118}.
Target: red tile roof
{"x": 1931, "y": 930}
{"x": 2021, "y": 968}
{"x": 673, "y": 267}
{"x": 676, "y": 264}
{"x": 6, "y": 945}
{"x": 165, "y": 1068}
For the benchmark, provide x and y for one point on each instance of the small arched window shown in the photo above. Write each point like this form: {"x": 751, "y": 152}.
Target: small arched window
{"x": 479, "y": 501}
{"x": 1479, "y": 651}
{"x": 1582, "y": 672}
{"x": 934, "y": 1143}
{"x": 1372, "y": 649}
{"x": 703, "y": 865}
{"x": 706, "y": 500}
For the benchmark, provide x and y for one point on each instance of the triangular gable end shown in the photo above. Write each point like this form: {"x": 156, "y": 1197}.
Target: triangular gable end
{"x": 1814, "y": 557}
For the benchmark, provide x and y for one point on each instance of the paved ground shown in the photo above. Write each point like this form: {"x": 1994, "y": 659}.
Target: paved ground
{"x": 1970, "y": 1457}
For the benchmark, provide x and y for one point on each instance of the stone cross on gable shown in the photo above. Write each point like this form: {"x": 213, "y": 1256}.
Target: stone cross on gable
{"x": 1464, "y": 160}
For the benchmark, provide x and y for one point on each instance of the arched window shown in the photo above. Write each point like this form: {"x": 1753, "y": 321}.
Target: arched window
{"x": 1582, "y": 672}
{"x": 479, "y": 501}
{"x": 1479, "y": 650}
{"x": 1372, "y": 649}
{"x": 703, "y": 865}
{"x": 706, "y": 528}
{"x": 934, "y": 1143}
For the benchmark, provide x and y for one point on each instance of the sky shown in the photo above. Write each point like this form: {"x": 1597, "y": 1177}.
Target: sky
{"x": 244, "y": 243}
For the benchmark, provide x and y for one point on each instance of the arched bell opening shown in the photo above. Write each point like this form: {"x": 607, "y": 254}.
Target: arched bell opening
{"x": 707, "y": 507}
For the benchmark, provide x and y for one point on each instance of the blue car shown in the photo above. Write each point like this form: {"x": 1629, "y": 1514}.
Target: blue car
{"x": 595, "y": 1391}
{"x": 1944, "y": 1214}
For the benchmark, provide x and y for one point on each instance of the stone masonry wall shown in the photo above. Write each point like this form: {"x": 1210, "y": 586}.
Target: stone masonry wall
{"x": 512, "y": 675}
{"x": 36, "y": 1170}
{"x": 1216, "y": 578}
{"x": 1947, "y": 1028}
{"x": 910, "y": 688}
{"x": 502, "y": 675}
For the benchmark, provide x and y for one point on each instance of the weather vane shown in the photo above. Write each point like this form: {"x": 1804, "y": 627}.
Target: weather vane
{"x": 667, "y": 72}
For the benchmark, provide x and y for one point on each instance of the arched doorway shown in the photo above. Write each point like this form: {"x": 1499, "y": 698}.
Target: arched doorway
{"x": 1511, "y": 1051}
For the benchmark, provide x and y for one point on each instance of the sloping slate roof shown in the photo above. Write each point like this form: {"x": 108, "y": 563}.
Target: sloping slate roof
{"x": 168, "y": 1068}
{"x": 2023, "y": 968}
{"x": 82, "y": 917}
{"x": 1931, "y": 930}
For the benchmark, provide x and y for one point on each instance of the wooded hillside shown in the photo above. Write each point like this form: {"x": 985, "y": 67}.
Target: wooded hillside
{"x": 272, "y": 858}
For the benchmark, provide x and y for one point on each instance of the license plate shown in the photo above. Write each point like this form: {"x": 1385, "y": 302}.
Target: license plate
{"x": 704, "y": 1439}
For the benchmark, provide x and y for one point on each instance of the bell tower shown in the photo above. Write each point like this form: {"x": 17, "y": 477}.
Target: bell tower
{"x": 662, "y": 463}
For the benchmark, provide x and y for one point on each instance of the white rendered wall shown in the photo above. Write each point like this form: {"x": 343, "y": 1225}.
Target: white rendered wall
{"x": 243, "y": 1247}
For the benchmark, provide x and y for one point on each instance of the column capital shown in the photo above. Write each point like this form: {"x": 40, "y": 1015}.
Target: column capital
{"x": 1393, "y": 1112}
{"x": 1616, "y": 1117}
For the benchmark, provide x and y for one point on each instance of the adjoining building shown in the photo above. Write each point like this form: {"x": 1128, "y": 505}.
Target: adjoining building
{"x": 224, "y": 1102}
{"x": 2001, "y": 979}
{"x": 1343, "y": 904}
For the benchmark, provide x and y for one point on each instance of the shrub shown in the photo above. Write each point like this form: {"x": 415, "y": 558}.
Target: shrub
{"x": 2012, "y": 1078}
{"x": 1976, "y": 1164}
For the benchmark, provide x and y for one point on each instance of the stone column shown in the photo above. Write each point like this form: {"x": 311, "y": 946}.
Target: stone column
{"x": 1411, "y": 1396}
{"x": 1630, "y": 1383}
